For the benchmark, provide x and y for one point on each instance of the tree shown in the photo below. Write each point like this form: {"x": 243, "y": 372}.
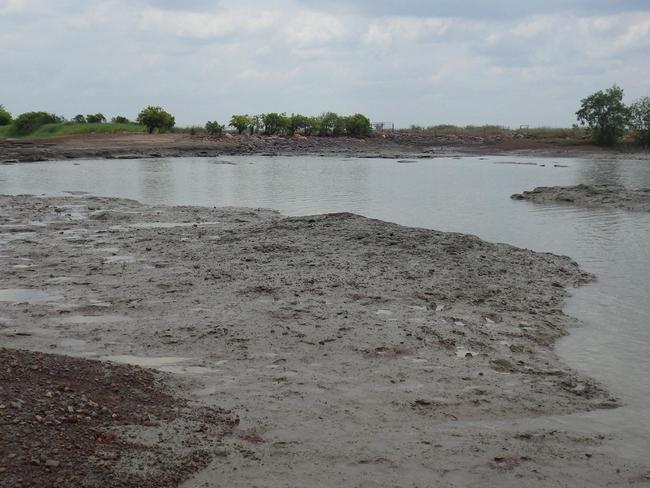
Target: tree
{"x": 358, "y": 125}
{"x": 640, "y": 120}
{"x": 156, "y": 118}
{"x": 298, "y": 123}
{"x": 605, "y": 114}
{"x": 97, "y": 118}
{"x": 240, "y": 122}
{"x": 79, "y": 119}
{"x": 332, "y": 124}
{"x": 119, "y": 119}
{"x": 214, "y": 128}
{"x": 5, "y": 117}
{"x": 30, "y": 121}
{"x": 275, "y": 123}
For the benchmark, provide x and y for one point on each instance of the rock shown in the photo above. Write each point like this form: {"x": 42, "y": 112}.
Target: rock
{"x": 51, "y": 463}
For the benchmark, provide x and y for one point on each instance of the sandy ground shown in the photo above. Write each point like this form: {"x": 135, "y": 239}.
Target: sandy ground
{"x": 355, "y": 352}
{"x": 600, "y": 196}
{"x": 396, "y": 145}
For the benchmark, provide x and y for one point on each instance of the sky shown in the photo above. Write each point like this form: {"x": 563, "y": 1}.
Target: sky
{"x": 422, "y": 62}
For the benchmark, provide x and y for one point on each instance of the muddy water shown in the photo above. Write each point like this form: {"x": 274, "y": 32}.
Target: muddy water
{"x": 469, "y": 195}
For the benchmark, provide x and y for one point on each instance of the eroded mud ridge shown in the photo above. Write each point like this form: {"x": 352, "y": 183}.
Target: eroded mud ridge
{"x": 72, "y": 422}
{"x": 380, "y": 354}
{"x": 603, "y": 196}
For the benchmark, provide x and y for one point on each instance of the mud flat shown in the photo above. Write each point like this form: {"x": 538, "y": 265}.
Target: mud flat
{"x": 354, "y": 352}
{"x": 599, "y": 196}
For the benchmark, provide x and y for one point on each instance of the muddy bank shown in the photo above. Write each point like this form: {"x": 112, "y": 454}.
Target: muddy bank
{"x": 355, "y": 352}
{"x": 398, "y": 145}
{"x": 600, "y": 196}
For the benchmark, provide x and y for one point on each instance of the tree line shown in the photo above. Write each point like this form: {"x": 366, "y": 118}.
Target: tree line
{"x": 155, "y": 118}
{"x": 608, "y": 118}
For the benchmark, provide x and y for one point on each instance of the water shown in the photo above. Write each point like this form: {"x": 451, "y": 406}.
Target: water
{"x": 469, "y": 195}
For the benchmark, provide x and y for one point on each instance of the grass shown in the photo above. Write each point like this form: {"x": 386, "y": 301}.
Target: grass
{"x": 69, "y": 128}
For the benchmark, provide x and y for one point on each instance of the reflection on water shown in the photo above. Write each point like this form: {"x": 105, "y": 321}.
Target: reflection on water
{"x": 469, "y": 195}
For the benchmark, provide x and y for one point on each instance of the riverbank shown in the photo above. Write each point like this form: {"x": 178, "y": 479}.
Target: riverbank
{"x": 398, "y": 145}
{"x": 379, "y": 353}
{"x": 598, "y": 196}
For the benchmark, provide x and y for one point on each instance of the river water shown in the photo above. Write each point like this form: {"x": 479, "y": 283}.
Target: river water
{"x": 469, "y": 195}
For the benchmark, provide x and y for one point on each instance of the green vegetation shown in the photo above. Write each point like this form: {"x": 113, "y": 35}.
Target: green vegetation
{"x": 214, "y": 128}
{"x": 95, "y": 118}
{"x": 5, "y": 117}
{"x": 29, "y": 122}
{"x": 605, "y": 114}
{"x": 241, "y": 122}
{"x": 119, "y": 119}
{"x": 71, "y": 128}
{"x": 328, "y": 124}
{"x": 156, "y": 118}
{"x": 640, "y": 120}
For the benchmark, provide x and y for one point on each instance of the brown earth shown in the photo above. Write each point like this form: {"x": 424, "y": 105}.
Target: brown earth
{"x": 407, "y": 144}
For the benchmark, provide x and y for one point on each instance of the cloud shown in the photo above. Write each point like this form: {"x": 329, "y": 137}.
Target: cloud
{"x": 410, "y": 62}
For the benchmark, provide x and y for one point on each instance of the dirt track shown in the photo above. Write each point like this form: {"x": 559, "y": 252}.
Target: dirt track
{"x": 355, "y": 352}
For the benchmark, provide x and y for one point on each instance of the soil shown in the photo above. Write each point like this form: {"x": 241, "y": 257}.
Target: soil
{"x": 398, "y": 145}
{"x": 600, "y": 196}
{"x": 355, "y": 352}
{"x": 63, "y": 421}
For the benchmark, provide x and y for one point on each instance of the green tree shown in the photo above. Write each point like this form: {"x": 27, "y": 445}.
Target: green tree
{"x": 30, "y": 121}
{"x": 79, "y": 119}
{"x": 331, "y": 124}
{"x": 298, "y": 123}
{"x": 119, "y": 119}
{"x": 605, "y": 114}
{"x": 214, "y": 128}
{"x": 156, "y": 118}
{"x": 5, "y": 117}
{"x": 97, "y": 118}
{"x": 640, "y": 120}
{"x": 358, "y": 125}
{"x": 275, "y": 123}
{"x": 240, "y": 122}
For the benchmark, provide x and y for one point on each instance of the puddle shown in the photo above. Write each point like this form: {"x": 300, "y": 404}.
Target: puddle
{"x": 146, "y": 362}
{"x": 26, "y": 295}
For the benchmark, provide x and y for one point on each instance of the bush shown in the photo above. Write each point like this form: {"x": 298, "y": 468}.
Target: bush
{"x": 30, "y": 121}
{"x": 640, "y": 120}
{"x": 214, "y": 128}
{"x": 605, "y": 114}
{"x": 97, "y": 118}
{"x": 240, "y": 122}
{"x": 331, "y": 125}
{"x": 156, "y": 118}
{"x": 358, "y": 125}
{"x": 5, "y": 117}
{"x": 119, "y": 119}
{"x": 79, "y": 119}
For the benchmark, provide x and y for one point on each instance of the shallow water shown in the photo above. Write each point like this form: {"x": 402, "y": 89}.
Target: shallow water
{"x": 469, "y": 195}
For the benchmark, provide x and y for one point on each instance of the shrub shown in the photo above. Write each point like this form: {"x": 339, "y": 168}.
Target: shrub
{"x": 156, "y": 118}
{"x": 97, "y": 118}
{"x": 298, "y": 123}
{"x": 214, "y": 128}
{"x": 358, "y": 125}
{"x": 331, "y": 125}
{"x": 30, "y": 121}
{"x": 5, "y": 117}
{"x": 640, "y": 120}
{"x": 605, "y": 114}
{"x": 240, "y": 122}
{"x": 79, "y": 119}
{"x": 119, "y": 119}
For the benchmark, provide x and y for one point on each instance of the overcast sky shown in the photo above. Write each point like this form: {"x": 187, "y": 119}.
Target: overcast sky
{"x": 508, "y": 62}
